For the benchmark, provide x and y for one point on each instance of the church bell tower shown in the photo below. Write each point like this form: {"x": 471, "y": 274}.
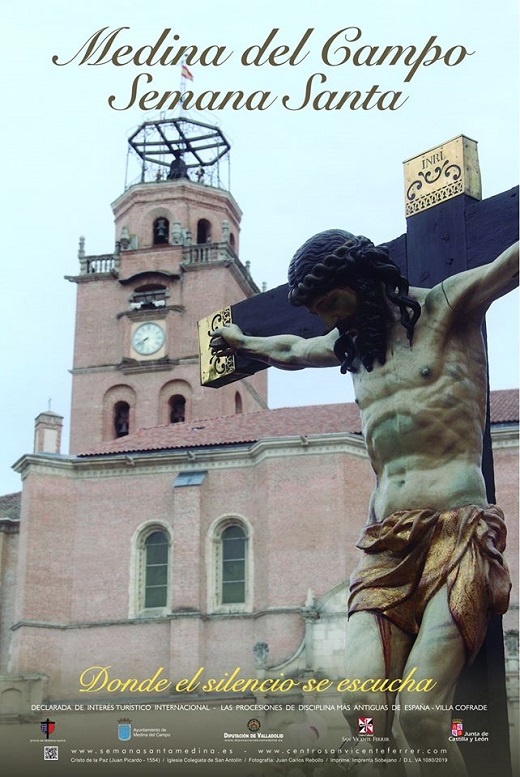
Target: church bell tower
{"x": 175, "y": 261}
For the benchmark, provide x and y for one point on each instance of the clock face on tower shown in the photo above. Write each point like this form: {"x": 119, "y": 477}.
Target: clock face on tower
{"x": 148, "y": 339}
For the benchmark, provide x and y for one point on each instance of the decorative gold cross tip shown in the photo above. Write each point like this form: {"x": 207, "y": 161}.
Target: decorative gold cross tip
{"x": 442, "y": 173}
{"x": 214, "y": 370}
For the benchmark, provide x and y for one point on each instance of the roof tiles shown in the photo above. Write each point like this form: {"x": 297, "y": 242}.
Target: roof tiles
{"x": 10, "y": 506}
{"x": 236, "y": 429}
{"x": 283, "y": 422}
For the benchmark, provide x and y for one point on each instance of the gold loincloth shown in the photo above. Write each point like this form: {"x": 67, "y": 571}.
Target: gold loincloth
{"x": 410, "y": 555}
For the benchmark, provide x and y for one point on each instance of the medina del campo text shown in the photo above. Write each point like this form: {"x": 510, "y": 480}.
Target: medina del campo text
{"x": 342, "y": 48}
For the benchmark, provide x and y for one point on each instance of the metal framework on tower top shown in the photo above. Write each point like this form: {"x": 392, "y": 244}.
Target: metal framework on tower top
{"x": 165, "y": 144}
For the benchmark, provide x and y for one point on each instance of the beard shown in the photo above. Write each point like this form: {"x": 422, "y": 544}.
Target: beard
{"x": 346, "y": 351}
{"x": 363, "y": 339}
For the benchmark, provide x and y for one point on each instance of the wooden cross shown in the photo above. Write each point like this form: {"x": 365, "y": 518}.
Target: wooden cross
{"x": 449, "y": 229}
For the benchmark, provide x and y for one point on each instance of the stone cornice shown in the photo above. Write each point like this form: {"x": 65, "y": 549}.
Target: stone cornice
{"x": 131, "y": 366}
{"x": 504, "y": 436}
{"x": 94, "y": 276}
{"x": 155, "y": 313}
{"x": 163, "y": 618}
{"x": 226, "y": 456}
{"x": 192, "y": 459}
{"x": 9, "y": 526}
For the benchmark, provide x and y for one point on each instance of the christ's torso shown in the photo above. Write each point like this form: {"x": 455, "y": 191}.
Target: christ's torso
{"x": 423, "y": 414}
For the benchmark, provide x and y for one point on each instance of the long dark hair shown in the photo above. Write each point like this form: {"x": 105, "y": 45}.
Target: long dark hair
{"x": 337, "y": 258}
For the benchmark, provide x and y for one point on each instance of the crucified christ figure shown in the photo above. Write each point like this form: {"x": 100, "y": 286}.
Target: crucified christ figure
{"x": 431, "y": 570}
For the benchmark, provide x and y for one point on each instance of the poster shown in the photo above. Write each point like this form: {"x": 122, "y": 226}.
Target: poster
{"x": 319, "y": 125}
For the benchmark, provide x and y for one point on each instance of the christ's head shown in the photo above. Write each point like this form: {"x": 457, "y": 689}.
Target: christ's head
{"x": 352, "y": 285}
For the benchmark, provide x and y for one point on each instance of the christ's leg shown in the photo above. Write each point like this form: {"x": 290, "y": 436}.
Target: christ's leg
{"x": 375, "y": 649}
{"x": 438, "y": 653}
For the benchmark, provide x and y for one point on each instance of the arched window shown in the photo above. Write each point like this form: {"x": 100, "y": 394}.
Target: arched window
{"x": 161, "y": 231}
{"x": 232, "y": 241}
{"x": 233, "y": 565}
{"x": 156, "y": 556}
{"x": 230, "y": 558}
{"x": 121, "y": 419}
{"x": 238, "y": 403}
{"x": 150, "y": 570}
{"x": 203, "y": 231}
{"x": 118, "y": 419}
{"x": 177, "y": 409}
{"x": 174, "y": 403}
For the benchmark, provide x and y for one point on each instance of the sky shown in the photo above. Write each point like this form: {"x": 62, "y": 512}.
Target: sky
{"x": 295, "y": 167}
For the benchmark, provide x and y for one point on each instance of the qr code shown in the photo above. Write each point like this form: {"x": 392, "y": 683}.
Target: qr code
{"x": 50, "y": 753}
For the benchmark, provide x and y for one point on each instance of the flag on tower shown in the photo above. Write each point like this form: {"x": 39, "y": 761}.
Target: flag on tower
{"x": 186, "y": 73}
